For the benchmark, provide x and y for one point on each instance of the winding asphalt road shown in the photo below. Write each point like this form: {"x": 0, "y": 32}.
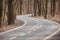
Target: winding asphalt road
{"x": 34, "y": 29}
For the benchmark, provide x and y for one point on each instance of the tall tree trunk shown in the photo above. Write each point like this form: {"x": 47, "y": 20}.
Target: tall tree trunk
{"x": 46, "y": 4}
{"x": 21, "y": 7}
{"x": 28, "y": 11}
{"x": 1, "y": 7}
{"x": 11, "y": 14}
{"x": 4, "y": 11}
{"x": 59, "y": 6}
{"x": 53, "y": 7}
{"x": 39, "y": 7}
{"x": 15, "y": 8}
{"x": 42, "y": 7}
{"x": 35, "y": 7}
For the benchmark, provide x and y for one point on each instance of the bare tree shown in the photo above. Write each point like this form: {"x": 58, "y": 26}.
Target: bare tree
{"x": 1, "y": 7}
{"x": 42, "y": 7}
{"x": 45, "y": 8}
{"x": 39, "y": 7}
{"x": 35, "y": 7}
{"x": 53, "y": 7}
{"x": 59, "y": 6}
{"x": 11, "y": 14}
{"x": 21, "y": 7}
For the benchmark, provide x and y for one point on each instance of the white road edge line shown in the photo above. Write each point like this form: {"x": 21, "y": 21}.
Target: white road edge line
{"x": 15, "y": 28}
{"x": 23, "y": 34}
{"x": 52, "y": 34}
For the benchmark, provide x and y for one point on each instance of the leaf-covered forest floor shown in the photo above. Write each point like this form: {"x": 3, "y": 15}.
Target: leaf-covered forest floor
{"x": 8, "y": 27}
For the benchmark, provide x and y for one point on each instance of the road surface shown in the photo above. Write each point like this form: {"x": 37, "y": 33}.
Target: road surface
{"x": 34, "y": 29}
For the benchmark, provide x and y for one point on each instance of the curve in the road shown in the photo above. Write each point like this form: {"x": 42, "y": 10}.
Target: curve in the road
{"x": 34, "y": 29}
{"x": 16, "y": 27}
{"x": 31, "y": 25}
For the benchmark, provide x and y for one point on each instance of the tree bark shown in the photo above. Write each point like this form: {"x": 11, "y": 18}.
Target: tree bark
{"x": 59, "y": 6}
{"x": 11, "y": 14}
{"x": 20, "y": 7}
{"x": 39, "y": 7}
{"x": 45, "y": 14}
{"x": 53, "y": 7}
{"x": 1, "y": 7}
{"x": 35, "y": 7}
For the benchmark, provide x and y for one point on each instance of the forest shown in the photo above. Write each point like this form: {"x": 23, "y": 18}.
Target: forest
{"x": 9, "y": 9}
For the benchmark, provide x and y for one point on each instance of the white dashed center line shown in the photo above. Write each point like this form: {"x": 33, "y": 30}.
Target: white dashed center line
{"x": 12, "y": 38}
{"x": 22, "y": 34}
{"x": 29, "y": 32}
{"x": 34, "y": 29}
